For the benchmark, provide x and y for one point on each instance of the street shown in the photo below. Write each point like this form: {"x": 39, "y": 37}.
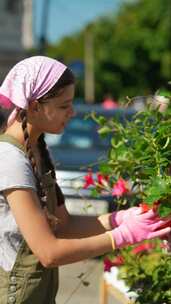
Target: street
{"x": 72, "y": 290}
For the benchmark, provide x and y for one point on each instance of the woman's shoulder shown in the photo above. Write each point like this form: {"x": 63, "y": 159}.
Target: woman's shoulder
{"x": 7, "y": 146}
{"x": 15, "y": 167}
{"x": 11, "y": 152}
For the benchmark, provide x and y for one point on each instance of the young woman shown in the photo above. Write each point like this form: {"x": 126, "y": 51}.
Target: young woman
{"x": 36, "y": 232}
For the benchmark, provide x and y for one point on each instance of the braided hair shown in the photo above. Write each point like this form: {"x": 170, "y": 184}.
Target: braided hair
{"x": 48, "y": 165}
{"x": 67, "y": 78}
{"x": 40, "y": 190}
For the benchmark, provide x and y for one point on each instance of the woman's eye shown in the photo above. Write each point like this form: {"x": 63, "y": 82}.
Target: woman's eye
{"x": 64, "y": 107}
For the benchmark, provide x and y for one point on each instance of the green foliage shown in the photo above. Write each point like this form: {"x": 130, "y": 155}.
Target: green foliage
{"x": 69, "y": 49}
{"x": 149, "y": 275}
{"x": 140, "y": 152}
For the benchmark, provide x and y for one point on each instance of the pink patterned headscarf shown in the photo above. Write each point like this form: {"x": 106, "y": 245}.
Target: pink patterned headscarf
{"x": 28, "y": 80}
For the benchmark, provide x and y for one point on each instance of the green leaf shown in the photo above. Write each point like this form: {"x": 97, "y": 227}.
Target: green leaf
{"x": 160, "y": 188}
{"x": 164, "y": 209}
{"x": 104, "y": 130}
{"x": 94, "y": 193}
{"x": 105, "y": 168}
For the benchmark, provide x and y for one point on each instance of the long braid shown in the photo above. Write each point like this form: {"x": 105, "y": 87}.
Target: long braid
{"x": 48, "y": 165}
{"x": 40, "y": 190}
{"x": 67, "y": 78}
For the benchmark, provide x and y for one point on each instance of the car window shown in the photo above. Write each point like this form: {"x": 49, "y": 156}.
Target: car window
{"x": 79, "y": 123}
{"x": 80, "y": 133}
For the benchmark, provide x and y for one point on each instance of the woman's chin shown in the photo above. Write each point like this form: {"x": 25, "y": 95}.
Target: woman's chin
{"x": 58, "y": 131}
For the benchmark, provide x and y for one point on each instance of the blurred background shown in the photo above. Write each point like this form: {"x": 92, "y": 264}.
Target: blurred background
{"x": 115, "y": 48}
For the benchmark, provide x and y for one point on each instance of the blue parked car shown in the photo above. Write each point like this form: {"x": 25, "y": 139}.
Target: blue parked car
{"x": 73, "y": 152}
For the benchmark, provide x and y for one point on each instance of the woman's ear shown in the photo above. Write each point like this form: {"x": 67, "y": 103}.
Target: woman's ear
{"x": 34, "y": 106}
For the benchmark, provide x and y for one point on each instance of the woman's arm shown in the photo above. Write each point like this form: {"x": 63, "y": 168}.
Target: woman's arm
{"x": 81, "y": 225}
{"x": 51, "y": 251}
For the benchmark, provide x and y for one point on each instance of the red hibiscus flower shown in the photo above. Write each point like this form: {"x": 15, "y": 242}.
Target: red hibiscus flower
{"x": 88, "y": 180}
{"x": 102, "y": 179}
{"x": 120, "y": 188}
{"x": 143, "y": 247}
{"x": 144, "y": 207}
{"x": 117, "y": 261}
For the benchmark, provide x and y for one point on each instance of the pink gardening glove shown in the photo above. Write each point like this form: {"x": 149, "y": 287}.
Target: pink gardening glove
{"x": 117, "y": 217}
{"x": 138, "y": 226}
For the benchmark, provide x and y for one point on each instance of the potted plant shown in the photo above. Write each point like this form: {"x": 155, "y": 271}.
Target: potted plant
{"x": 138, "y": 171}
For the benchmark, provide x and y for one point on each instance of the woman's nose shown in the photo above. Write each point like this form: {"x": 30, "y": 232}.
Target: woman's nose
{"x": 72, "y": 112}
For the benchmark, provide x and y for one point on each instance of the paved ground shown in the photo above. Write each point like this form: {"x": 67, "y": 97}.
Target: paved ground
{"x": 73, "y": 291}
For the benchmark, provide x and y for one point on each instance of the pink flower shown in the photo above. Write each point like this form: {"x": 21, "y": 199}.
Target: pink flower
{"x": 120, "y": 188}
{"x": 88, "y": 180}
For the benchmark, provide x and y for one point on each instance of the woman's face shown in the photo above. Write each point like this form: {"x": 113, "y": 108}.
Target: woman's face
{"x": 52, "y": 115}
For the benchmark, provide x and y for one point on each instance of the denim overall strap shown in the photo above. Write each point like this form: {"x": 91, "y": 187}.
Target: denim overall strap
{"x": 12, "y": 140}
{"x": 29, "y": 282}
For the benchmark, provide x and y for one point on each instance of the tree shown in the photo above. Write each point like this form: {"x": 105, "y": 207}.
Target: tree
{"x": 132, "y": 49}
{"x": 135, "y": 57}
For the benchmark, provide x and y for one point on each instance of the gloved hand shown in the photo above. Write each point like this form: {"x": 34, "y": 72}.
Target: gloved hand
{"x": 117, "y": 217}
{"x": 138, "y": 226}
